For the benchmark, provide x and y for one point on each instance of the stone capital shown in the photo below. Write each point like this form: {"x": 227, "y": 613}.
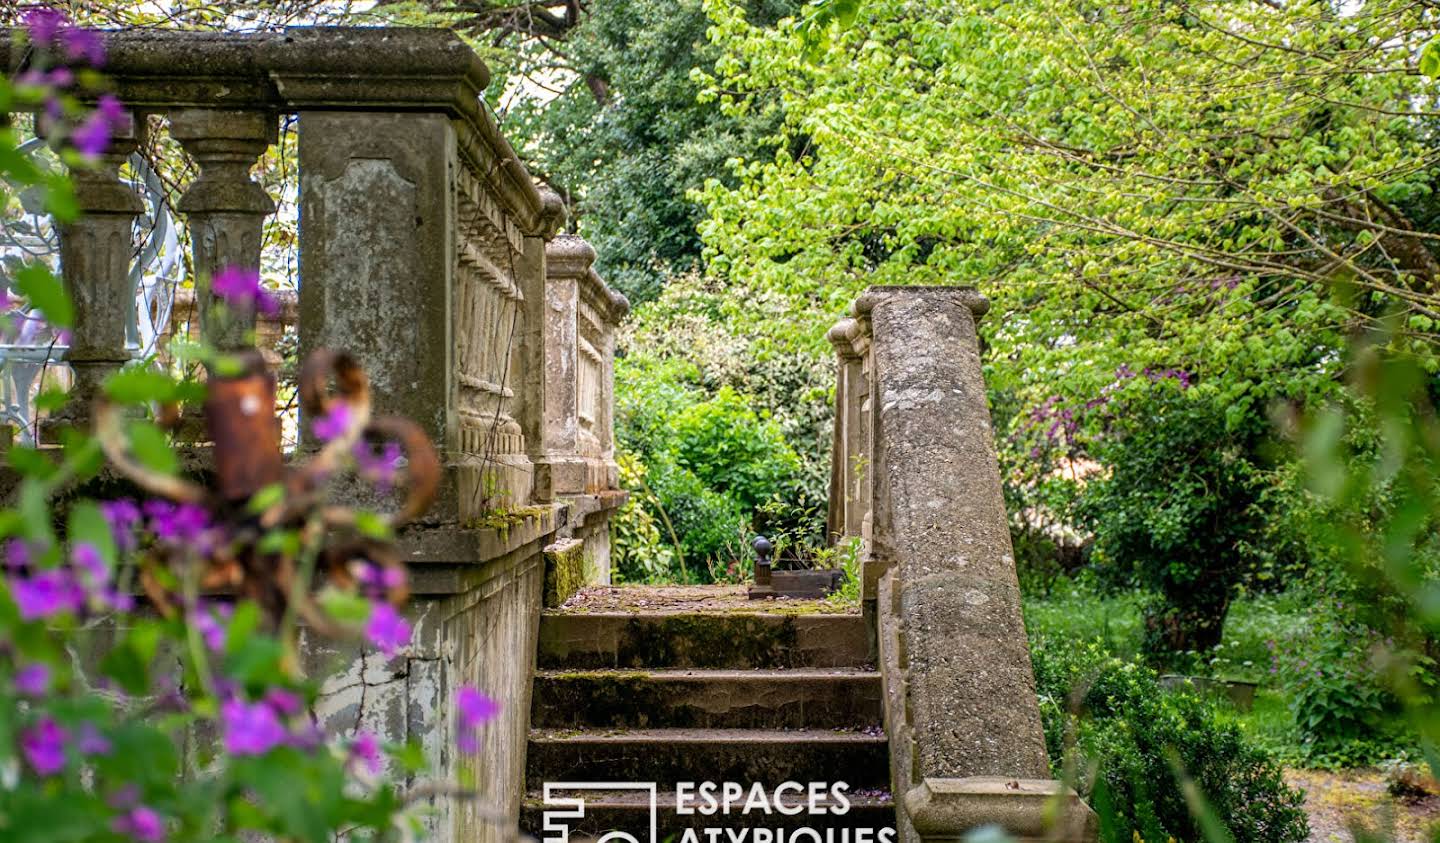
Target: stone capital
{"x": 968, "y": 296}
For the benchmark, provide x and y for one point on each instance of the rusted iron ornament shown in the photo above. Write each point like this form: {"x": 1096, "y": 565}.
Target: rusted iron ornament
{"x": 242, "y": 424}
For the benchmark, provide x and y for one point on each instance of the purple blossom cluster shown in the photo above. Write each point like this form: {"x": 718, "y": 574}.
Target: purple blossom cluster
{"x": 333, "y": 423}
{"x": 84, "y": 583}
{"x": 472, "y": 710}
{"x": 1061, "y": 424}
{"x": 48, "y": 746}
{"x": 380, "y": 466}
{"x": 240, "y": 287}
{"x": 61, "y": 48}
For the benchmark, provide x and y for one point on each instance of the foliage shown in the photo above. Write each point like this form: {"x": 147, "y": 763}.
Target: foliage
{"x": 1375, "y": 460}
{"x": 1329, "y": 670}
{"x": 1187, "y": 512}
{"x": 96, "y": 755}
{"x": 612, "y": 122}
{"x": 729, "y": 439}
{"x": 734, "y": 449}
{"x": 1133, "y": 744}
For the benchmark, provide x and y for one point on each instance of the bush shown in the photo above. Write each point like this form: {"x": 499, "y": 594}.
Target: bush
{"x": 733, "y": 449}
{"x": 1131, "y": 741}
{"x": 1334, "y": 676}
{"x": 1189, "y": 512}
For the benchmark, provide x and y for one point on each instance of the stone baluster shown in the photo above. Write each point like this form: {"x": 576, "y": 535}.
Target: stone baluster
{"x": 225, "y": 207}
{"x": 95, "y": 254}
{"x": 559, "y": 468}
{"x": 618, "y": 307}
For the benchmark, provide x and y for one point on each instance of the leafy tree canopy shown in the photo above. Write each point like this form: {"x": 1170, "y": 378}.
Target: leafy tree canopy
{"x": 1157, "y": 185}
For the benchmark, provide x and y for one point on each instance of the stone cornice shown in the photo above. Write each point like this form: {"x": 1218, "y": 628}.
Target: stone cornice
{"x": 320, "y": 68}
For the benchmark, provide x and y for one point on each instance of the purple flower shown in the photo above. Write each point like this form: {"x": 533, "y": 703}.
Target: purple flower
{"x": 33, "y": 680}
{"x": 44, "y": 747}
{"x": 209, "y": 620}
{"x": 250, "y": 728}
{"x": 91, "y": 742}
{"x": 333, "y": 423}
{"x": 240, "y": 287}
{"x": 183, "y": 524}
{"x": 87, "y": 560}
{"x": 379, "y": 578}
{"x": 44, "y": 25}
{"x": 82, "y": 44}
{"x": 60, "y": 77}
{"x": 46, "y": 593}
{"x": 287, "y": 703}
{"x": 365, "y": 753}
{"x": 17, "y": 554}
{"x": 473, "y": 709}
{"x": 122, "y": 515}
{"x": 379, "y": 468}
{"x": 386, "y": 629}
{"x": 140, "y": 823}
{"x": 92, "y": 136}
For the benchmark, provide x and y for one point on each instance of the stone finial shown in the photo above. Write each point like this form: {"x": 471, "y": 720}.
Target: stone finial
{"x": 568, "y": 256}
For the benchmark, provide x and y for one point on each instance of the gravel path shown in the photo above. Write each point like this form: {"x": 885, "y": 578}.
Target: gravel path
{"x": 1337, "y": 801}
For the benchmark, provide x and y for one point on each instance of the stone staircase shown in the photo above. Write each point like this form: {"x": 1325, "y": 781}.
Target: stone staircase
{"x": 669, "y": 694}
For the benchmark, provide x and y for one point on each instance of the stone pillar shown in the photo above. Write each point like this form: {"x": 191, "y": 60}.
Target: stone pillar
{"x": 226, "y": 210}
{"x": 377, "y": 220}
{"x": 960, "y": 693}
{"x": 619, "y": 306}
{"x": 559, "y": 468}
{"x": 95, "y": 254}
{"x": 849, "y": 483}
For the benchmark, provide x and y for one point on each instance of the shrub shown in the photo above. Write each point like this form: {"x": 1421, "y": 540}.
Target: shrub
{"x": 1131, "y": 742}
{"x": 1333, "y": 672}
{"x": 733, "y": 449}
{"x": 1188, "y": 512}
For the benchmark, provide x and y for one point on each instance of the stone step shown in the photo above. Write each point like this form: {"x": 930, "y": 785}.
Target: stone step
{"x": 667, "y": 756}
{"x": 795, "y": 698}
{"x": 735, "y": 640}
{"x": 629, "y": 812}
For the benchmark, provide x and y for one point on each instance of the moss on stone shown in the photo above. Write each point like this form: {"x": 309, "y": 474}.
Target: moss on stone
{"x": 566, "y": 572}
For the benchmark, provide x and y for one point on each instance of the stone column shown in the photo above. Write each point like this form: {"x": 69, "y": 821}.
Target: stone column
{"x": 95, "y": 255}
{"x": 559, "y": 468}
{"x": 960, "y": 693}
{"x": 605, "y": 422}
{"x": 226, "y": 210}
{"x": 377, "y": 220}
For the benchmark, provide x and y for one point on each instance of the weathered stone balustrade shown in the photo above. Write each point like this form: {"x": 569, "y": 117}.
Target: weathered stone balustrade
{"x": 916, "y": 477}
{"x": 426, "y": 250}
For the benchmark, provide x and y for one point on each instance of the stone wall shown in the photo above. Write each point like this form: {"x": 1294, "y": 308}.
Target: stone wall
{"x": 428, "y": 252}
{"x": 917, "y": 478}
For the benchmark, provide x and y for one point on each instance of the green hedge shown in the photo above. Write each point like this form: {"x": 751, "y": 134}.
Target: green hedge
{"x": 1128, "y": 742}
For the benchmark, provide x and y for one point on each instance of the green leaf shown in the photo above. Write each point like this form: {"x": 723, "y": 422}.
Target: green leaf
{"x": 266, "y": 498}
{"x": 344, "y": 606}
{"x": 88, "y": 526}
{"x": 50, "y": 400}
{"x": 31, "y": 462}
{"x": 373, "y": 526}
{"x": 151, "y": 448}
{"x": 37, "y": 283}
{"x": 139, "y": 385}
{"x": 1430, "y": 59}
